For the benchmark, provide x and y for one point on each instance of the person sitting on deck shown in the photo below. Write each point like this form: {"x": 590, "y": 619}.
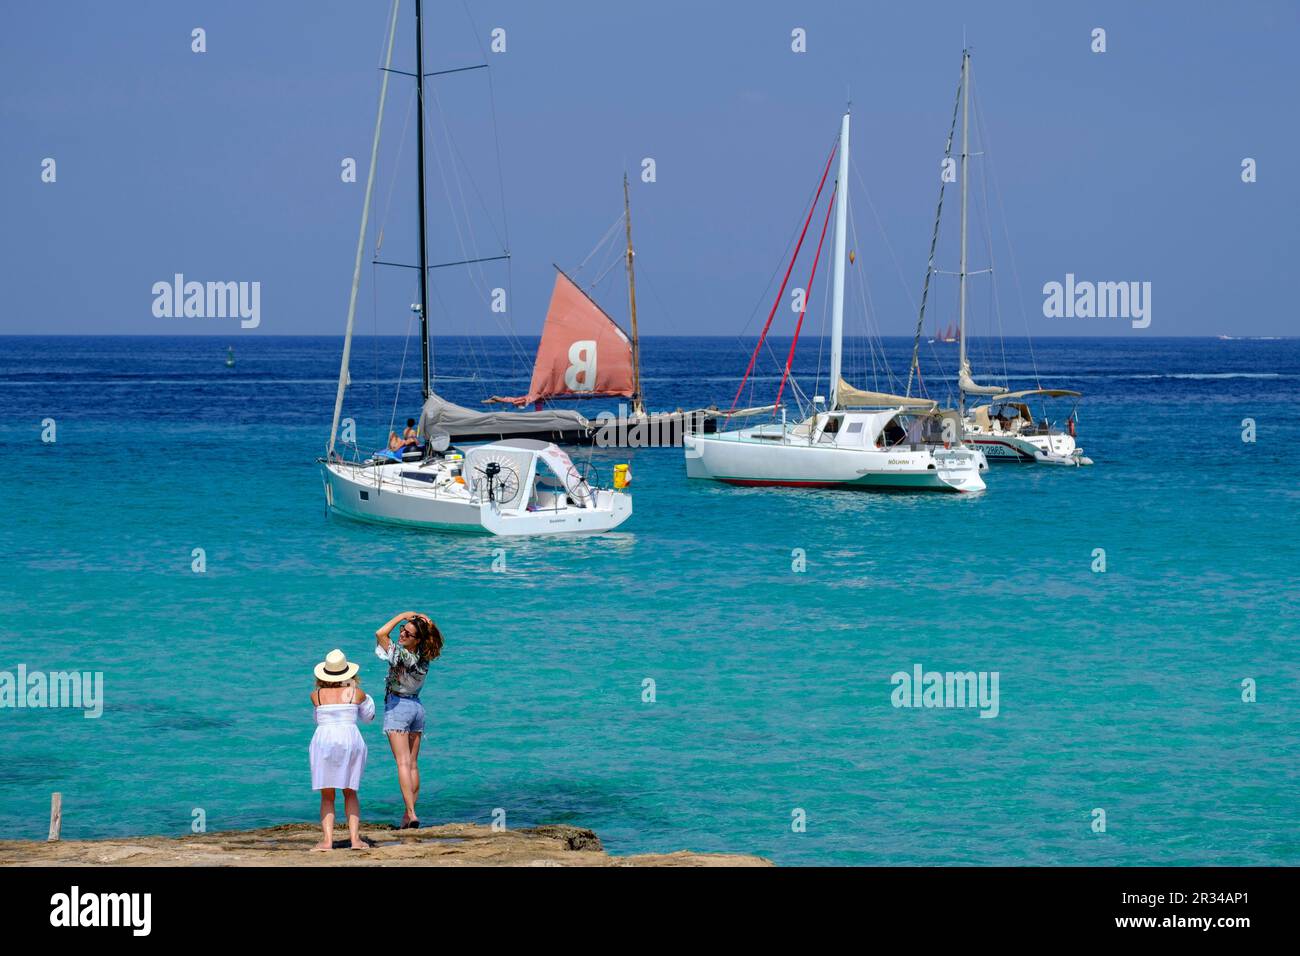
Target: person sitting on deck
{"x": 409, "y": 438}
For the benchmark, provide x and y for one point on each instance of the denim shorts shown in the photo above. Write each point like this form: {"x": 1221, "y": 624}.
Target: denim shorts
{"x": 405, "y": 714}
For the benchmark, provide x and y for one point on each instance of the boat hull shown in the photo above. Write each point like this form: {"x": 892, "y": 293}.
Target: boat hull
{"x": 758, "y": 463}
{"x": 1056, "y": 449}
{"x": 363, "y": 494}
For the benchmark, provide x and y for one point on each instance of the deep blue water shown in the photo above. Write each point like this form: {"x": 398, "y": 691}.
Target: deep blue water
{"x": 1119, "y": 690}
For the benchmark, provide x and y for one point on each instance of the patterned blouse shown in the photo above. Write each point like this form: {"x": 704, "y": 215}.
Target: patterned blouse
{"x": 406, "y": 671}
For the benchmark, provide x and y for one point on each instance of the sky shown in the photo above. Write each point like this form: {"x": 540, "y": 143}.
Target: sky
{"x": 225, "y": 165}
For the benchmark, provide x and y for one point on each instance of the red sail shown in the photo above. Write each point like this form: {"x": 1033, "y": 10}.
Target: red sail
{"x": 583, "y": 352}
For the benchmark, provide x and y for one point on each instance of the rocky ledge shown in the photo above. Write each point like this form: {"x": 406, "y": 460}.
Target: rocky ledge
{"x": 452, "y": 844}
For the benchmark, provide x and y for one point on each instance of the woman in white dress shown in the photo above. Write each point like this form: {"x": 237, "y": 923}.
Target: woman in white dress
{"x": 338, "y": 752}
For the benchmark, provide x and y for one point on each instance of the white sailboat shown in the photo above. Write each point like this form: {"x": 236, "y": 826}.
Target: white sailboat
{"x": 520, "y": 486}
{"x": 858, "y": 439}
{"x": 1004, "y": 428}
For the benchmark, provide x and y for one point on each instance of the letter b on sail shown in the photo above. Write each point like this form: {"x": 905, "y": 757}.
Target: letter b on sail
{"x": 580, "y": 376}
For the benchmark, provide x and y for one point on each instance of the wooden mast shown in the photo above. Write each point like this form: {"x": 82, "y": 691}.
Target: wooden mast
{"x": 638, "y": 406}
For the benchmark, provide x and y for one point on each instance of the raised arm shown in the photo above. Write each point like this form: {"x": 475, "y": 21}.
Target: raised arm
{"x": 383, "y": 636}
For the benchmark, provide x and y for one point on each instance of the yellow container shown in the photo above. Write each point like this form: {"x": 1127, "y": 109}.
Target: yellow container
{"x": 622, "y": 476}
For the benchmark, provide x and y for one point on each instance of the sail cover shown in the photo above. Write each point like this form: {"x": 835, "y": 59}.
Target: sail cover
{"x": 583, "y": 352}
{"x": 441, "y": 417}
{"x": 967, "y": 384}
{"x": 846, "y": 396}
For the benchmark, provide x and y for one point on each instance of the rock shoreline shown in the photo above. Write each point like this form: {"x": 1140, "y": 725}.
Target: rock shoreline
{"x": 452, "y": 844}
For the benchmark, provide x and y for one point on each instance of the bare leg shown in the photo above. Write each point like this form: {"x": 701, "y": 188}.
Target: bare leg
{"x": 326, "y": 819}
{"x": 415, "y": 771}
{"x": 352, "y": 807}
{"x": 402, "y": 754}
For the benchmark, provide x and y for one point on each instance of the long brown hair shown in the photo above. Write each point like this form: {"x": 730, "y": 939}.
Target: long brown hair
{"x": 428, "y": 639}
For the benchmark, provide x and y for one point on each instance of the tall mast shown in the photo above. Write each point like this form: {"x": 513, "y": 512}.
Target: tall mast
{"x": 345, "y": 378}
{"x": 965, "y": 176}
{"x": 419, "y": 154}
{"x": 841, "y": 240}
{"x": 638, "y": 406}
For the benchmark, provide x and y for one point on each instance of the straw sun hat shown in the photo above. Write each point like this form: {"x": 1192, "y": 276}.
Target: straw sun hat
{"x": 336, "y": 668}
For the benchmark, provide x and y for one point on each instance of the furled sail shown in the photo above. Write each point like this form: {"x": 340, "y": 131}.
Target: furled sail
{"x": 967, "y": 384}
{"x": 850, "y": 397}
{"x": 583, "y": 353}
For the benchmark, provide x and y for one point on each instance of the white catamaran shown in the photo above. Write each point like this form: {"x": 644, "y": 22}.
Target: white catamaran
{"x": 858, "y": 439}
{"x": 520, "y": 486}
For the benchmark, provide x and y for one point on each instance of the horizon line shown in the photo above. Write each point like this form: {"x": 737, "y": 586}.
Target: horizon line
{"x": 464, "y": 335}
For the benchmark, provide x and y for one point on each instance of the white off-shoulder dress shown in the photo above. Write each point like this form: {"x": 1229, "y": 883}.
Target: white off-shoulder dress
{"x": 338, "y": 751}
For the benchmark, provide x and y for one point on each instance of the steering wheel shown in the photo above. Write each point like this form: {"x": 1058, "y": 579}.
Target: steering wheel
{"x": 583, "y": 480}
{"x": 501, "y": 479}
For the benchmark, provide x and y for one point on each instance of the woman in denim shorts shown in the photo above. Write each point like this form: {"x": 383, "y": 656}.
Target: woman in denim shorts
{"x": 418, "y": 644}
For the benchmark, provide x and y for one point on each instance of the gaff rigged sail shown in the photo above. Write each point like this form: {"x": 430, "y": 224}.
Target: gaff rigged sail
{"x": 583, "y": 353}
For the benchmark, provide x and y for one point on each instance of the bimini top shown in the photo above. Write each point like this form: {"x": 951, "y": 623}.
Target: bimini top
{"x": 1048, "y": 392}
{"x": 517, "y": 455}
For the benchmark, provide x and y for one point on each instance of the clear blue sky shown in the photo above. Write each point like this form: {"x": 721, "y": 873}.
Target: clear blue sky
{"x": 225, "y": 165}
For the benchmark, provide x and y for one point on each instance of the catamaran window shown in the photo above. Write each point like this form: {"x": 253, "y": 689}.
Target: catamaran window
{"x": 854, "y": 428}
{"x": 894, "y": 433}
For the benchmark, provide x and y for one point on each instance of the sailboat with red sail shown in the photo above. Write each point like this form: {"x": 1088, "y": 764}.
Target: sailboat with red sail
{"x": 585, "y": 354}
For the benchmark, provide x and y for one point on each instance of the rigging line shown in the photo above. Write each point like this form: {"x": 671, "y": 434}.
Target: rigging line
{"x": 934, "y": 240}
{"x": 468, "y": 343}
{"x": 827, "y": 280}
{"x": 519, "y": 358}
{"x": 401, "y": 371}
{"x": 477, "y": 276}
{"x": 1011, "y": 255}
{"x": 808, "y": 286}
{"x": 763, "y": 342}
{"x": 600, "y": 244}
{"x": 496, "y": 131}
{"x": 996, "y": 302}
{"x": 781, "y": 293}
{"x": 469, "y": 173}
{"x": 614, "y": 256}
{"x": 451, "y": 202}
{"x": 361, "y": 239}
{"x": 762, "y": 296}
{"x": 508, "y": 326}
{"x": 884, "y": 235}
{"x": 873, "y": 343}
{"x": 477, "y": 282}
{"x": 392, "y": 183}
{"x": 374, "y": 312}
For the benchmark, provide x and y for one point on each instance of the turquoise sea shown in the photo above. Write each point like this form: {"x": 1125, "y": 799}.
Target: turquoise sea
{"x": 1119, "y": 690}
